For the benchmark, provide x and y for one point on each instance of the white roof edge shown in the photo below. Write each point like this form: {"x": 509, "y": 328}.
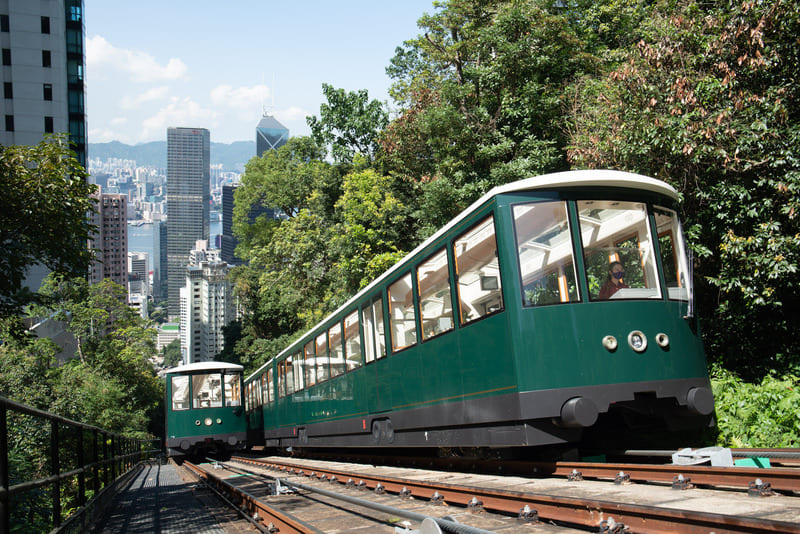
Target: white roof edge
{"x": 557, "y": 180}
{"x": 205, "y": 366}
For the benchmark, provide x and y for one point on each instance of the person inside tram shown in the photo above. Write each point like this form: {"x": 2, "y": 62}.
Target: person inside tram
{"x": 616, "y": 273}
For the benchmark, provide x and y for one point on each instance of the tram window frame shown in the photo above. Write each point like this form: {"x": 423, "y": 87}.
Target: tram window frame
{"x": 336, "y": 371}
{"x": 265, "y": 392}
{"x": 298, "y": 371}
{"x": 460, "y": 274}
{"x": 271, "y": 385}
{"x": 310, "y": 365}
{"x": 595, "y": 217}
{"x": 281, "y": 380}
{"x": 325, "y": 375}
{"x": 680, "y": 265}
{"x": 408, "y": 280}
{"x": 187, "y": 402}
{"x": 207, "y": 383}
{"x": 445, "y": 293}
{"x": 354, "y": 334}
{"x": 374, "y": 330}
{"x": 566, "y": 288}
{"x": 235, "y": 388}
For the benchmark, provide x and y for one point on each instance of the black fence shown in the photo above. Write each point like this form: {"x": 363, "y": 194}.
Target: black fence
{"x": 55, "y": 474}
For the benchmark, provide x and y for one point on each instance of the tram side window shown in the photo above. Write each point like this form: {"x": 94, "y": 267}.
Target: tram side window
{"x": 546, "y": 256}
{"x": 323, "y": 372}
{"x": 180, "y": 392}
{"x": 352, "y": 342}
{"x": 207, "y": 390}
{"x": 402, "y": 314}
{"x": 479, "y": 286}
{"x": 265, "y": 389}
{"x": 233, "y": 392}
{"x": 616, "y": 236}
{"x": 281, "y": 380}
{"x": 374, "y": 339}
{"x": 337, "y": 351}
{"x": 299, "y": 365}
{"x": 674, "y": 257}
{"x": 435, "y": 303}
{"x": 310, "y": 365}
{"x": 289, "y": 366}
{"x": 270, "y": 386}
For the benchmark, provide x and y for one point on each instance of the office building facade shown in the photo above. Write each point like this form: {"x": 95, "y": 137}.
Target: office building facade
{"x": 188, "y": 203}
{"x": 270, "y": 134}
{"x": 43, "y": 62}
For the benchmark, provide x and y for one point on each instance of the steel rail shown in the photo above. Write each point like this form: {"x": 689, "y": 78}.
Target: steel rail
{"x": 285, "y": 523}
{"x": 780, "y": 479}
{"x": 591, "y": 513}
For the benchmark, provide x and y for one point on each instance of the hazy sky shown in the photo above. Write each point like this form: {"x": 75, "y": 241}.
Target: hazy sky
{"x": 155, "y": 64}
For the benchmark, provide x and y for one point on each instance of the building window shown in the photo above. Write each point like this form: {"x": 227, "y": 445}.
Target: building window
{"x": 48, "y": 125}
{"x": 8, "y": 90}
{"x": 45, "y": 24}
{"x": 47, "y": 91}
{"x": 9, "y": 123}
{"x": 6, "y": 56}
{"x": 4, "y": 26}
{"x": 46, "y": 61}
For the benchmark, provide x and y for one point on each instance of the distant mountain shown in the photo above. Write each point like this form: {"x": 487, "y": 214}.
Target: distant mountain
{"x": 232, "y": 156}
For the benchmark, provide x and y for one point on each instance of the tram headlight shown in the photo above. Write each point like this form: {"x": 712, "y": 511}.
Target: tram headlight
{"x": 197, "y": 422}
{"x": 637, "y": 341}
{"x": 219, "y": 421}
{"x": 208, "y": 421}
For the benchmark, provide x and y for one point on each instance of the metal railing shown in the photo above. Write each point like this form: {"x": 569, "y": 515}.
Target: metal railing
{"x": 83, "y": 463}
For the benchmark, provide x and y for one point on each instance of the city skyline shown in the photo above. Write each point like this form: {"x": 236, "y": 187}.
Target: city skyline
{"x": 218, "y": 69}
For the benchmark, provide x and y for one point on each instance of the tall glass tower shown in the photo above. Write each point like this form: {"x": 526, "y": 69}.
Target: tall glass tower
{"x": 270, "y": 134}
{"x": 188, "y": 203}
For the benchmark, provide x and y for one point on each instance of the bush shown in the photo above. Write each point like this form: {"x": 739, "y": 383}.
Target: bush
{"x": 765, "y": 414}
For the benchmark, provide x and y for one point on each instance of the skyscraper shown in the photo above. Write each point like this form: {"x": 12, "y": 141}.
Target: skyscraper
{"x": 188, "y": 202}
{"x": 42, "y": 64}
{"x": 270, "y": 134}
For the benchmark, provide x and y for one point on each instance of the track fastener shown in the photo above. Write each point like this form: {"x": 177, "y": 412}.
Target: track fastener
{"x": 612, "y": 527}
{"x": 379, "y": 489}
{"x": 622, "y": 478}
{"x": 528, "y": 514}
{"x": 682, "y": 483}
{"x": 475, "y": 506}
{"x": 437, "y": 498}
{"x": 405, "y": 493}
{"x": 575, "y": 476}
{"x": 757, "y": 488}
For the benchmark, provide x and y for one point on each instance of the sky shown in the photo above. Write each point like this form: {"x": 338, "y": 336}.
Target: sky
{"x": 153, "y": 64}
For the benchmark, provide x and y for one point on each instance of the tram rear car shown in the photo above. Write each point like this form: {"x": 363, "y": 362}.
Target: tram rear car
{"x": 497, "y": 331}
{"x": 204, "y": 411}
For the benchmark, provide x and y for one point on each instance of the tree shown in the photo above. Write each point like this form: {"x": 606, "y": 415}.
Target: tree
{"x": 483, "y": 87}
{"x": 349, "y": 123}
{"x": 707, "y": 100}
{"x": 44, "y": 212}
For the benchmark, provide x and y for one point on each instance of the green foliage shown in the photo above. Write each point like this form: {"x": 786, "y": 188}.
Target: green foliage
{"x": 349, "y": 123}
{"x": 43, "y": 212}
{"x": 761, "y": 414}
{"x": 172, "y": 353}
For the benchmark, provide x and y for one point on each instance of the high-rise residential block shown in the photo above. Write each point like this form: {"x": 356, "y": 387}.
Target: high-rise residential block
{"x": 207, "y": 305}
{"x": 188, "y": 202}
{"x": 43, "y": 58}
{"x": 110, "y": 243}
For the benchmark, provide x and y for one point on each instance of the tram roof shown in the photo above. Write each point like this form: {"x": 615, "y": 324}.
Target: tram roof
{"x": 204, "y": 366}
{"x": 554, "y": 181}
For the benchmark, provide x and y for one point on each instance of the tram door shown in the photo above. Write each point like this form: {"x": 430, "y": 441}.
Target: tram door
{"x": 377, "y": 392}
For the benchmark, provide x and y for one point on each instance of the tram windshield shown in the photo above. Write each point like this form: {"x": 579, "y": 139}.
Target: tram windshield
{"x": 619, "y": 255}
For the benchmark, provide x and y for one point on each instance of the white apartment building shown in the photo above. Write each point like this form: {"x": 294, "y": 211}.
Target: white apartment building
{"x": 206, "y": 304}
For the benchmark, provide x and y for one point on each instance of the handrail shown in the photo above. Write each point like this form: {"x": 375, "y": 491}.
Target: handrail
{"x": 109, "y": 453}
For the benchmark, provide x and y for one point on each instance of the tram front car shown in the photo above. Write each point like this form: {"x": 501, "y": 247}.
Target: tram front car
{"x": 606, "y": 305}
{"x": 204, "y": 410}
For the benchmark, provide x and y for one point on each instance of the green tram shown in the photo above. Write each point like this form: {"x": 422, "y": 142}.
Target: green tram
{"x": 204, "y": 412}
{"x": 493, "y": 333}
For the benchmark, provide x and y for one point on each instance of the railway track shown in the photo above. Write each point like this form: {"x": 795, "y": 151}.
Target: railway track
{"x": 588, "y": 505}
